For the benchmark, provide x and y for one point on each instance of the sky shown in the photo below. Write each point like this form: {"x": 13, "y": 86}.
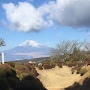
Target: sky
{"x": 44, "y": 21}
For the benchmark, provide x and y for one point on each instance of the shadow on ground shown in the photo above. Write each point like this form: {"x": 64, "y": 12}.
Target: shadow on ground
{"x": 76, "y": 86}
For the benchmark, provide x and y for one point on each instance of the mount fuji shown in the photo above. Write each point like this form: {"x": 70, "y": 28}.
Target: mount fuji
{"x": 27, "y": 50}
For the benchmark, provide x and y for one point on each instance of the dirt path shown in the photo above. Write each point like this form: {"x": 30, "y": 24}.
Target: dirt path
{"x": 57, "y": 78}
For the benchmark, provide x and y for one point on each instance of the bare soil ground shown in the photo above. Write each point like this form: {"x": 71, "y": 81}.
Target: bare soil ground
{"x": 57, "y": 78}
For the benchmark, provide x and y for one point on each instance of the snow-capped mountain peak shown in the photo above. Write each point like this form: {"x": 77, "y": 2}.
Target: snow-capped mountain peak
{"x": 27, "y": 50}
{"x": 30, "y": 43}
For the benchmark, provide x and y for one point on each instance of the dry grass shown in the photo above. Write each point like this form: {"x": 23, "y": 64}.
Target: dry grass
{"x": 58, "y": 78}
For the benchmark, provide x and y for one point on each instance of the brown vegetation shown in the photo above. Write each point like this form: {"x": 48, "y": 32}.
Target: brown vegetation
{"x": 59, "y": 64}
{"x": 40, "y": 67}
{"x": 47, "y": 66}
{"x": 13, "y": 75}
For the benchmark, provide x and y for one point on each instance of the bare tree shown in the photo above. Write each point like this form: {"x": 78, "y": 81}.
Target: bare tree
{"x": 78, "y": 55}
{"x": 2, "y": 43}
{"x": 55, "y": 54}
{"x": 87, "y": 46}
{"x": 65, "y": 48}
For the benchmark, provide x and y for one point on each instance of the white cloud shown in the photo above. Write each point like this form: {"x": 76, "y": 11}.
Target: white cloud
{"x": 25, "y": 17}
{"x": 73, "y": 13}
{"x": 32, "y": 54}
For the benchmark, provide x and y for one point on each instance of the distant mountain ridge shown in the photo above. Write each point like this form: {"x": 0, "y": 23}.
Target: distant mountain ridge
{"x": 27, "y": 50}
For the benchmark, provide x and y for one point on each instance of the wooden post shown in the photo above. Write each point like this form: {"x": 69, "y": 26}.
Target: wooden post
{"x": 2, "y": 57}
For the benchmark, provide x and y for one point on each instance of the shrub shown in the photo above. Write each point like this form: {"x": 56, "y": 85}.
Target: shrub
{"x": 73, "y": 70}
{"x": 46, "y": 63}
{"x": 35, "y": 72}
{"x": 40, "y": 67}
{"x": 6, "y": 70}
{"x": 71, "y": 63}
{"x": 23, "y": 75}
{"x": 88, "y": 62}
{"x": 36, "y": 65}
{"x": 80, "y": 64}
{"x": 28, "y": 84}
{"x": 12, "y": 82}
{"x": 59, "y": 64}
{"x": 21, "y": 68}
{"x": 32, "y": 74}
{"x": 78, "y": 70}
{"x": 24, "y": 70}
{"x": 47, "y": 66}
{"x": 83, "y": 71}
{"x": 3, "y": 84}
{"x": 29, "y": 66}
{"x": 53, "y": 65}
{"x": 11, "y": 64}
{"x": 11, "y": 73}
{"x": 29, "y": 78}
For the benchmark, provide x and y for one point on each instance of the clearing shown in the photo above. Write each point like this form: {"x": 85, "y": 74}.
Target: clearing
{"x": 57, "y": 78}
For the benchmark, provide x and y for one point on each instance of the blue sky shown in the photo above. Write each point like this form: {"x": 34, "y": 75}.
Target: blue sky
{"x": 44, "y": 21}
